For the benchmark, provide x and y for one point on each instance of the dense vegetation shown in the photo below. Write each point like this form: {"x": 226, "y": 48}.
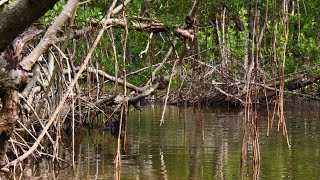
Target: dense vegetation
{"x": 84, "y": 63}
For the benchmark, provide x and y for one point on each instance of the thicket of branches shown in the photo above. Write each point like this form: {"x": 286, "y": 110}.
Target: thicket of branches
{"x": 85, "y": 63}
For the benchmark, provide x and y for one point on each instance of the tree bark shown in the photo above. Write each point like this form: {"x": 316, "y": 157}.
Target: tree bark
{"x": 18, "y": 15}
{"x": 8, "y": 117}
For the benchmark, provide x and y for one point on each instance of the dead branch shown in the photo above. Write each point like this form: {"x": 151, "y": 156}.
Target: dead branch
{"x": 215, "y": 85}
{"x": 150, "y": 28}
{"x": 112, "y": 78}
{"x": 291, "y": 84}
{"x": 106, "y": 102}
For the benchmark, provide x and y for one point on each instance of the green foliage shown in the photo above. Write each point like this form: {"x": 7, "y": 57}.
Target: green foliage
{"x": 51, "y": 14}
{"x": 301, "y": 50}
{"x": 86, "y": 14}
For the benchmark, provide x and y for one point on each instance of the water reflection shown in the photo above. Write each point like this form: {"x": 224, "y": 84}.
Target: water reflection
{"x": 191, "y": 144}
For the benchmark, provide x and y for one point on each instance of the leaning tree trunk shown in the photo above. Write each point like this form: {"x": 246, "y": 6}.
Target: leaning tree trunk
{"x": 15, "y": 17}
{"x": 18, "y": 15}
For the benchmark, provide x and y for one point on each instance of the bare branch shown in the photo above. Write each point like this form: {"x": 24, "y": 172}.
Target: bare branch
{"x": 28, "y": 62}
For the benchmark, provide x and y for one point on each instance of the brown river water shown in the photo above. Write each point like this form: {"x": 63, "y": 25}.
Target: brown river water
{"x": 192, "y": 144}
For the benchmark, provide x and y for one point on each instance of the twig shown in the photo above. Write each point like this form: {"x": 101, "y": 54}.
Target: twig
{"x": 168, "y": 90}
{"x": 147, "y": 47}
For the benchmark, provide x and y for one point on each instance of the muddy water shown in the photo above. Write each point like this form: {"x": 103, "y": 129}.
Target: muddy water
{"x": 192, "y": 144}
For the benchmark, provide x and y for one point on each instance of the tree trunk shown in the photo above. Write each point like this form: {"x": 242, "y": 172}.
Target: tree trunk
{"x": 18, "y": 15}
{"x": 8, "y": 117}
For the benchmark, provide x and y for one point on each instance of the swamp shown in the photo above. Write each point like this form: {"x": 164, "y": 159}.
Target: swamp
{"x": 155, "y": 89}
